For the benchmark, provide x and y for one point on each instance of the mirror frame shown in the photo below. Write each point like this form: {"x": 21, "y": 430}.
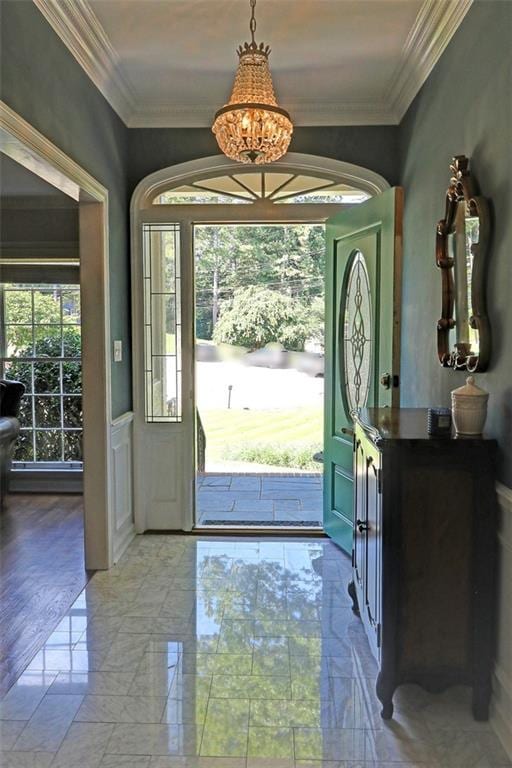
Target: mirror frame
{"x": 463, "y": 189}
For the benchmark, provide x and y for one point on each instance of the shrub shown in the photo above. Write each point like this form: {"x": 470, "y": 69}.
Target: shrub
{"x": 257, "y": 316}
{"x": 293, "y": 455}
{"x": 44, "y": 408}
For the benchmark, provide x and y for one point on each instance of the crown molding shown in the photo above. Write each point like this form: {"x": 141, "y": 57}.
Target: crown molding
{"x": 434, "y": 27}
{"x": 80, "y": 30}
{"x": 302, "y": 114}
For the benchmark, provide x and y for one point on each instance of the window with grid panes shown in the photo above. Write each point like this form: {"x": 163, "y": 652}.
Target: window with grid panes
{"x": 42, "y": 348}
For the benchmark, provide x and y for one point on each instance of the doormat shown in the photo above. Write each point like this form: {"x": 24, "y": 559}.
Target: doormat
{"x": 265, "y": 523}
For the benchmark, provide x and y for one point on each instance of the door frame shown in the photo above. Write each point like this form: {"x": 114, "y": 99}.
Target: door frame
{"x": 142, "y": 211}
{"x": 24, "y": 144}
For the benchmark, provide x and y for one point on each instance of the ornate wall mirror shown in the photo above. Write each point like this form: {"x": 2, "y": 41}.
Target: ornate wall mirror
{"x": 462, "y": 237}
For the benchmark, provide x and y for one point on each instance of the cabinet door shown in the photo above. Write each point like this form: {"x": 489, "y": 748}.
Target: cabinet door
{"x": 359, "y": 553}
{"x": 374, "y": 539}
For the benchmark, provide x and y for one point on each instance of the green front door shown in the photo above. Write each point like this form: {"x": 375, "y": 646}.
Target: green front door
{"x": 362, "y": 337}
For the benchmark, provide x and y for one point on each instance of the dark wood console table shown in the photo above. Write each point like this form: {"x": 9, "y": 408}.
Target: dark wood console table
{"x": 424, "y": 554}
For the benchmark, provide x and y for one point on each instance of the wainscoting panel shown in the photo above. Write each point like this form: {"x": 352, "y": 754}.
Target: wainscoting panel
{"x": 123, "y": 529}
{"x": 163, "y": 508}
{"x": 501, "y": 717}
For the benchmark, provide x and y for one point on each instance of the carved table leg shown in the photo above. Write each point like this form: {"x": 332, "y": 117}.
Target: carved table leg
{"x": 385, "y": 691}
{"x": 353, "y": 596}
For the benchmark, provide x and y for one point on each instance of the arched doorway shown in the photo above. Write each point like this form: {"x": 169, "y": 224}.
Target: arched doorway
{"x": 166, "y": 206}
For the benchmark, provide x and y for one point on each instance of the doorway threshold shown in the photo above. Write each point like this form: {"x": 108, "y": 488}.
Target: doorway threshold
{"x": 242, "y": 523}
{"x": 256, "y": 500}
{"x": 261, "y": 530}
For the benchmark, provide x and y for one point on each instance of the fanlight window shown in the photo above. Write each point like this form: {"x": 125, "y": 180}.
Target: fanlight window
{"x": 243, "y": 188}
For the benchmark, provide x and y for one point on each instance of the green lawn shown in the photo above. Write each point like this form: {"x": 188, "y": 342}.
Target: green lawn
{"x": 230, "y": 430}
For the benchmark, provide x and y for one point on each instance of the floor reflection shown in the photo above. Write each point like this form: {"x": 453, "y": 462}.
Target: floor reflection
{"x": 239, "y": 652}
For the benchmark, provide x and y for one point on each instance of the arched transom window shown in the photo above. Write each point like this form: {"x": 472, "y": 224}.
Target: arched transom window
{"x": 251, "y": 187}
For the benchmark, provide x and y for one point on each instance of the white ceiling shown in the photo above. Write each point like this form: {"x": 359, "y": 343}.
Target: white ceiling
{"x": 334, "y": 62}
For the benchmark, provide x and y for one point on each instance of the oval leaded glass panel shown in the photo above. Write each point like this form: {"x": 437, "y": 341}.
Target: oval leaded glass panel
{"x": 356, "y": 335}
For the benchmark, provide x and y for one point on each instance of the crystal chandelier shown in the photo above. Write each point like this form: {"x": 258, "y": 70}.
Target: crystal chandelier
{"x": 252, "y": 128}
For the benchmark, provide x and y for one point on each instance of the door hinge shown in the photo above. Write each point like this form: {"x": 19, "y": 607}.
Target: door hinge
{"x": 379, "y": 481}
{"x": 378, "y": 635}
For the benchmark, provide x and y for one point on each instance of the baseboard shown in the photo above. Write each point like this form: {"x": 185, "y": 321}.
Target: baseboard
{"x": 46, "y": 481}
{"x": 501, "y": 704}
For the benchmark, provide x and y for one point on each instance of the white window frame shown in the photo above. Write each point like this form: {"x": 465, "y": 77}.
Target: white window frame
{"x": 32, "y": 361}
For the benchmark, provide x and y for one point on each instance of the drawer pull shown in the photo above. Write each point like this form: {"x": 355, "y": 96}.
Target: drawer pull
{"x": 362, "y": 526}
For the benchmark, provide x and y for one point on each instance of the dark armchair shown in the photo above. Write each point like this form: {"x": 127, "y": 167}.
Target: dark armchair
{"x": 11, "y": 393}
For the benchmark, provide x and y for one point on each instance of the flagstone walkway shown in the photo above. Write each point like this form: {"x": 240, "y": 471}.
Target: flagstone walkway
{"x": 266, "y": 500}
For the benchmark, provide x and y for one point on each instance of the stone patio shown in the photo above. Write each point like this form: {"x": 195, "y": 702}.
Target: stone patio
{"x": 260, "y": 500}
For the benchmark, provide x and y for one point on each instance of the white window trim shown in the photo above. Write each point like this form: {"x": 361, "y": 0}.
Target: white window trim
{"x": 142, "y": 211}
{"x": 294, "y": 162}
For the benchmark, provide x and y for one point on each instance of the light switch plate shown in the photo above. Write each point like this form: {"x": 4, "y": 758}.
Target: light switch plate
{"x": 118, "y": 351}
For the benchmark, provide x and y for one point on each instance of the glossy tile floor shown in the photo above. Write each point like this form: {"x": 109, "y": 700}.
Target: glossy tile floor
{"x": 203, "y": 653}
{"x": 259, "y": 499}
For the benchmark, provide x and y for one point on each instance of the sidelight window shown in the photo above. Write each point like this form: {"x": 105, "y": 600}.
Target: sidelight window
{"x": 162, "y": 323}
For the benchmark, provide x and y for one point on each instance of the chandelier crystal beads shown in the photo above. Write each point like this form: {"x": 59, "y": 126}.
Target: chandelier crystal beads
{"x": 252, "y": 128}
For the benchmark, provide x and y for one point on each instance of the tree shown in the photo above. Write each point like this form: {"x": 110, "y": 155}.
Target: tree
{"x": 257, "y": 316}
{"x": 315, "y": 321}
{"x": 288, "y": 258}
{"x": 46, "y": 316}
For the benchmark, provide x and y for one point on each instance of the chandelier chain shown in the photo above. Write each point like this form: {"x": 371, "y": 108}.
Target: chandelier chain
{"x": 252, "y": 127}
{"x": 252, "y": 23}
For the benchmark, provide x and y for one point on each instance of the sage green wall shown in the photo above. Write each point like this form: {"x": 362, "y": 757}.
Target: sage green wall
{"x": 465, "y": 107}
{"x": 43, "y": 83}
{"x": 374, "y": 147}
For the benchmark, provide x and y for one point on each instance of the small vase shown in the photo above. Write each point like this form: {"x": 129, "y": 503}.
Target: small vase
{"x": 469, "y": 408}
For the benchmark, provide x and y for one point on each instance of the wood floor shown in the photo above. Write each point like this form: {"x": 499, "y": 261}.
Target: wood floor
{"x": 41, "y": 571}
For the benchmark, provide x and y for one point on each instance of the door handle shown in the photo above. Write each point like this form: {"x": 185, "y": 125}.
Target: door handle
{"x": 388, "y": 381}
{"x": 362, "y": 526}
{"x": 347, "y": 431}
